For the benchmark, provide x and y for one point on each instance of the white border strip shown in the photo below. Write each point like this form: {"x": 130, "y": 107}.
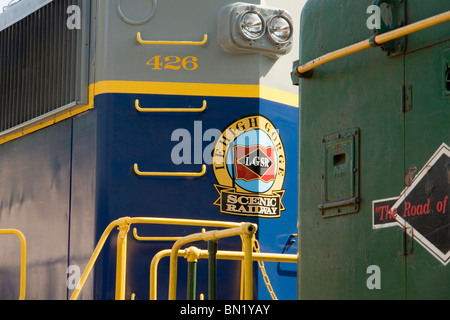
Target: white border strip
{"x": 38, "y": 120}
{"x": 382, "y": 225}
{"x": 20, "y": 11}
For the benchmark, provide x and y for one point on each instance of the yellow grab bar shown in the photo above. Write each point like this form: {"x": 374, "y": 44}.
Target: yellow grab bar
{"x": 246, "y": 231}
{"x": 23, "y": 258}
{"x": 377, "y": 40}
{"x": 185, "y": 43}
{"x": 221, "y": 254}
{"x": 140, "y": 109}
{"x": 170, "y": 174}
{"x": 139, "y": 238}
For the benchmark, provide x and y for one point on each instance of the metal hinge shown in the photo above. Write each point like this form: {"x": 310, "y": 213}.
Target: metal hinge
{"x": 408, "y": 241}
{"x": 407, "y": 98}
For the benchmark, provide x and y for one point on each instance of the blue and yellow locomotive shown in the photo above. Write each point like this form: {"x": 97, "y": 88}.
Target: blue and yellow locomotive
{"x": 146, "y": 122}
{"x": 167, "y": 149}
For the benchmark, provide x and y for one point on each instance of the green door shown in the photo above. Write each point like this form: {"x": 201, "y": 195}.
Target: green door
{"x": 427, "y": 128}
{"x": 351, "y": 152}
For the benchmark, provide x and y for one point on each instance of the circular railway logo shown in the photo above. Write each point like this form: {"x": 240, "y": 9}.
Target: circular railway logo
{"x": 249, "y": 164}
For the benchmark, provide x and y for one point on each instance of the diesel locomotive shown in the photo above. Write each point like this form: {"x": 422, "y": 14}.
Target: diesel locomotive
{"x": 224, "y": 150}
{"x": 127, "y": 126}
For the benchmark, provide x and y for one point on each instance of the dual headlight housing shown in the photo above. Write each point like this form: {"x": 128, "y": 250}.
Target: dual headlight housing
{"x": 249, "y": 28}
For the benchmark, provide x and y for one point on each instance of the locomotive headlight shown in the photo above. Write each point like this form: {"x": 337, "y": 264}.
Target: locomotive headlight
{"x": 280, "y": 29}
{"x": 250, "y": 28}
{"x": 252, "y": 25}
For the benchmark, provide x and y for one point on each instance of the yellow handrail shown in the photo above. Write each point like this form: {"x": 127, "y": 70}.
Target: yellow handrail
{"x": 154, "y": 269}
{"x": 121, "y": 266}
{"x": 221, "y": 254}
{"x": 186, "y": 43}
{"x": 93, "y": 258}
{"x": 169, "y": 174}
{"x": 140, "y": 109}
{"x": 246, "y": 231}
{"x": 23, "y": 258}
{"x": 377, "y": 40}
{"x": 123, "y": 224}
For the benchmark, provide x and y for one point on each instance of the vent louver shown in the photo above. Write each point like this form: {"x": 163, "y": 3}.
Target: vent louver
{"x": 42, "y": 65}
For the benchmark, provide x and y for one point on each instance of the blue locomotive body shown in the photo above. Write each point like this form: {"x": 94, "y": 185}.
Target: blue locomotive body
{"x": 99, "y": 125}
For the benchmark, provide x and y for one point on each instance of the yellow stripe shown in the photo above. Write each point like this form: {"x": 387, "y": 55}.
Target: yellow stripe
{"x": 177, "y": 88}
{"x": 197, "y": 89}
{"x": 167, "y": 88}
{"x": 279, "y": 96}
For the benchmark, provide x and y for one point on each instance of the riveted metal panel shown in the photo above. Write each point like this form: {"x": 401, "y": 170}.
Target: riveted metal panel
{"x": 340, "y": 189}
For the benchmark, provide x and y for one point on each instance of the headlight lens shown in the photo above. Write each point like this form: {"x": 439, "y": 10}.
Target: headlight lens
{"x": 252, "y": 25}
{"x": 280, "y": 29}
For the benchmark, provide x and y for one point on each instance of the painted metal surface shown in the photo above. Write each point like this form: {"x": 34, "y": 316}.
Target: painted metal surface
{"x": 203, "y": 72}
{"x": 78, "y": 175}
{"x": 401, "y": 118}
{"x": 425, "y": 131}
{"x": 48, "y": 193}
{"x": 35, "y": 198}
{"x": 146, "y": 139}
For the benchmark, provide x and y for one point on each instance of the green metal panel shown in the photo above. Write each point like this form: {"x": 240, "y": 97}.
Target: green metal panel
{"x": 360, "y": 91}
{"x": 340, "y": 182}
{"x": 426, "y": 128}
{"x": 399, "y": 102}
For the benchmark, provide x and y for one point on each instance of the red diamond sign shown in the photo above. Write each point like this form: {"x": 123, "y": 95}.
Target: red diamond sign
{"x": 423, "y": 207}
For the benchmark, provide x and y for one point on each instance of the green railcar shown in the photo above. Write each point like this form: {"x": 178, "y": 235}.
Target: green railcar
{"x": 374, "y": 150}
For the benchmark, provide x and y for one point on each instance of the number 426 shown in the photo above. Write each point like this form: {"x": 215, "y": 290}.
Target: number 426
{"x": 173, "y": 63}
